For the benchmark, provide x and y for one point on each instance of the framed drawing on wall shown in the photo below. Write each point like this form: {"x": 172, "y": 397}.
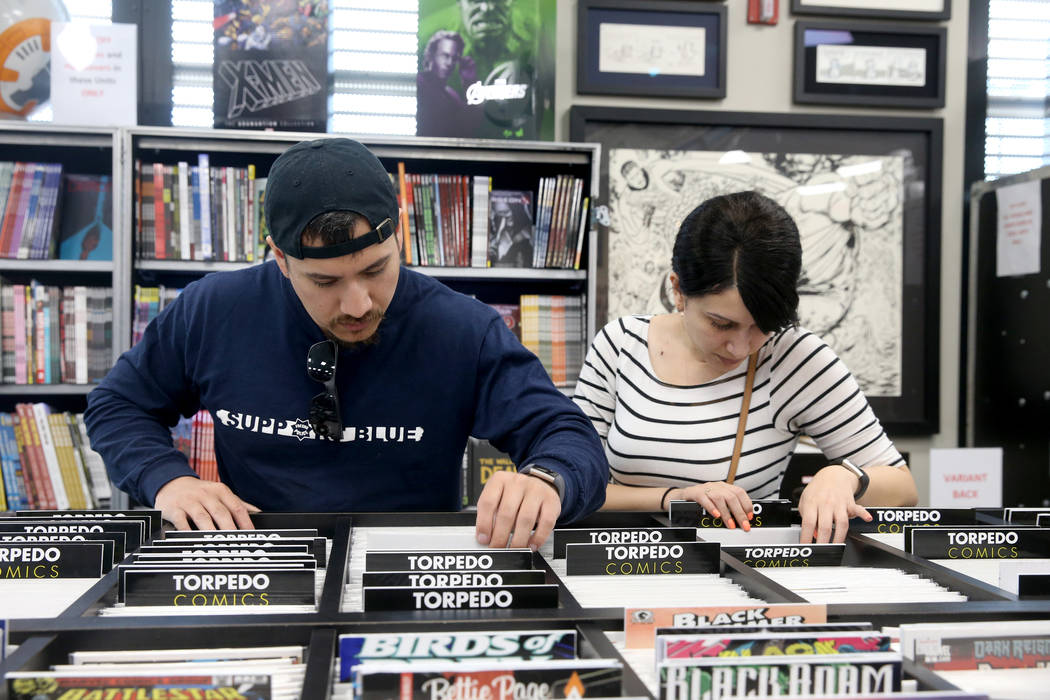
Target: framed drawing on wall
{"x": 663, "y": 48}
{"x": 885, "y": 9}
{"x": 864, "y": 191}
{"x": 889, "y": 65}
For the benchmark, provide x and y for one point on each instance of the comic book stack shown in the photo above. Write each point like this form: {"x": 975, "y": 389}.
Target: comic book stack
{"x": 50, "y": 558}
{"x": 30, "y": 200}
{"x": 48, "y": 462}
{"x": 198, "y": 212}
{"x": 223, "y": 572}
{"x": 553, "y": 327}
{"x": 55, "y": 335}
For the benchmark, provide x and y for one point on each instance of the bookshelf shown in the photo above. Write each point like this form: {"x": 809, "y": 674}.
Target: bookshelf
{"x": 81, "y": 151}
{"x": 511, "y": 164}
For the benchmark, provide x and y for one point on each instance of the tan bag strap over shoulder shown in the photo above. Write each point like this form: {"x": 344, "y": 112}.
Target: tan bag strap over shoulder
{"x": 752, "y": 363}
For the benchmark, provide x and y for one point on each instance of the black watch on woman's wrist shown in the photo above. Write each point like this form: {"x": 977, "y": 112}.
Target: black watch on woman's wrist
{"x": 860, "y": 474}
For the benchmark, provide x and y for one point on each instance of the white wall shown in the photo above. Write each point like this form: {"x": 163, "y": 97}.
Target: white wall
{"x": 759, "y": 79}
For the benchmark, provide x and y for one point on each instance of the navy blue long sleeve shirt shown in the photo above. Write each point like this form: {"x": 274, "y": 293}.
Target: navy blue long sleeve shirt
{"x": 445, "y": 367}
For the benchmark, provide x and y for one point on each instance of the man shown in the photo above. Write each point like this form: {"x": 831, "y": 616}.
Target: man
{"x": 405, "y": 367}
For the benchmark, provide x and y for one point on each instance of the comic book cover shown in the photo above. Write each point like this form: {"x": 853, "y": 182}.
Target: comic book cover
{"x": 486, "y": 69}
{"x": 41, "y": 685}
{"x": 86, "y": 225}
{"x": 356, "y": 649}
{"x": 982, "y": 653}
{"x": 509, "y": 680}
{"x": 271, "y": 64}
{"x": 726, "y": 644}
{"x": 716, "y": 678}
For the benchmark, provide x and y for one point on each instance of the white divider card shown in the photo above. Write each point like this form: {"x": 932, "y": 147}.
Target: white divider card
{"x": 152, "y": 518}
{"x": 299, "y": 561}
{"x": 256, "y": 548}
{"x": 774, "y": 512}
{"x": 730, "y": 643}
{"x": 620, "y": 535}
{"x": 1024, "y": 516}
{"x": 1009, "y": 571}
{"x": 977, "y": 542}
{"x": 216, "y": 587}
{"x": 787, "y": 555}
{"x": 51, "y": 685}
{"x": 640, "y": 624}
{"x": 50, "y": 560}
{"x": 409, "y": 647}
{"x": 1033, "y": 586}
{"x": 462, "y": 560}
{"x": 717, "y": 678}
{"x": 666, "y": 558}
{"x": 113, "y": 542}
{"x": 453, "y": 579}
{"x": 134, "y": 530}
{"x": 504, "y": 680}
{"x": 974, "y": 646}
{"x": 890, "y": 520}
{"x": 142, "y": 656}
{"x": 315, "y": 545}
{"x": 501, "y": 598}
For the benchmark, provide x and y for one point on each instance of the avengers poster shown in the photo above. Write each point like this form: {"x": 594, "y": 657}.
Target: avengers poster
{"x": 486, "y": 69}
{"x": 271, "y": 64}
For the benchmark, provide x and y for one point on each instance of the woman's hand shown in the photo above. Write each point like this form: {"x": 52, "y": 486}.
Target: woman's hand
{"x": 827, "y": 504}
{"x": 726, "y": 501}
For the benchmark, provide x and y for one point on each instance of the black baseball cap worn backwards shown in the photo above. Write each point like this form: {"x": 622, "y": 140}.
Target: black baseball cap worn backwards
{"x": 316, "y": 177}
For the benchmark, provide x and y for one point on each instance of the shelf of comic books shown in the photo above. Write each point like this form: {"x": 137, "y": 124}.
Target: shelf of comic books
{"x": 415, "y": 587}
{"x": 495, "y": 212}
{"x": 57, "y": 208}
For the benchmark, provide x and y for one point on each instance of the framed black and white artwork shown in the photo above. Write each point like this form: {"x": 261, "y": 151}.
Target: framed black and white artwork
{"x": 881, "y": 9}
{"x": 864, "y": 191}
{"x": 662, "y": 48}
{"x": 886, "y": 65}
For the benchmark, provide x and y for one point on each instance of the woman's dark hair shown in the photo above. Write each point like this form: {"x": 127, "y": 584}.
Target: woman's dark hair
{"x": 743, "y": 240}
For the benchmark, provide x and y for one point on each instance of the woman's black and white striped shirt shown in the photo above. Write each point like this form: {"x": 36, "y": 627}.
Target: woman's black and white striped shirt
{"x": 658, "y": 434}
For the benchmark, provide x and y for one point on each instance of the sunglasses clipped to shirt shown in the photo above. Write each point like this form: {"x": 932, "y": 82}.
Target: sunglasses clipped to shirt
{"x": 324, "y": 408}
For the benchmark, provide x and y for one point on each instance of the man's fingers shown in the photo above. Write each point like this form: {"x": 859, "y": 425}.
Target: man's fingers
{"x": 200, "y": 516}
{"x": 528, "y": 512}
{"x": 549, "y": 512}
{"x": 506, "y": 516}
{"x": 487, "y": 503}
{"x": 177, "y": 518}
{"x": 238, "y": 511}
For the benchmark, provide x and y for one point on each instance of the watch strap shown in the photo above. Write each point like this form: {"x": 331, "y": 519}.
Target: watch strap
{"x": 860, "y": 474}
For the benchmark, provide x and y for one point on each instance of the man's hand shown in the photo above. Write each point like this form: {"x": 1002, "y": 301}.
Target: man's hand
{"x": 827, "y": 504}
{"x": 210, "y": 505}
{"x": 520, "y": 504}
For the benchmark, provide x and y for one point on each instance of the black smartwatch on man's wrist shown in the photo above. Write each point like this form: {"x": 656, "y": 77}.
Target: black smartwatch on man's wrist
{"x": 860, "y": 474}
{"x": 556, "y": 480}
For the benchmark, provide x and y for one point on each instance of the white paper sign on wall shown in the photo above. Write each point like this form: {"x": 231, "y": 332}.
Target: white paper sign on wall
{"x": 966, "y": 477}
{"x": 94, "y": 74}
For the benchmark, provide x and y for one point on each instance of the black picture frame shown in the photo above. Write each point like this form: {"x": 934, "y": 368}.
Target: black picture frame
{"x": 891, "y": 56}
{"x": 668, "y": 14}
{"x": 916, "y": 144}
{"x": 863, "y": 8}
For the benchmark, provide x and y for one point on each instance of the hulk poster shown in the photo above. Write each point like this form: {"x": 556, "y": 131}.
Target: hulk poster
{"x": 486, "y": 69}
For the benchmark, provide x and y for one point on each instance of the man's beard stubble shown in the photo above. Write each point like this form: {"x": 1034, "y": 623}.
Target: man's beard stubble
{"x": 371, "y": 317}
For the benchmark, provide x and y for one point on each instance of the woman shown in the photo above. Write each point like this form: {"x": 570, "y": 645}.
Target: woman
{"x": 666, "y": 393}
